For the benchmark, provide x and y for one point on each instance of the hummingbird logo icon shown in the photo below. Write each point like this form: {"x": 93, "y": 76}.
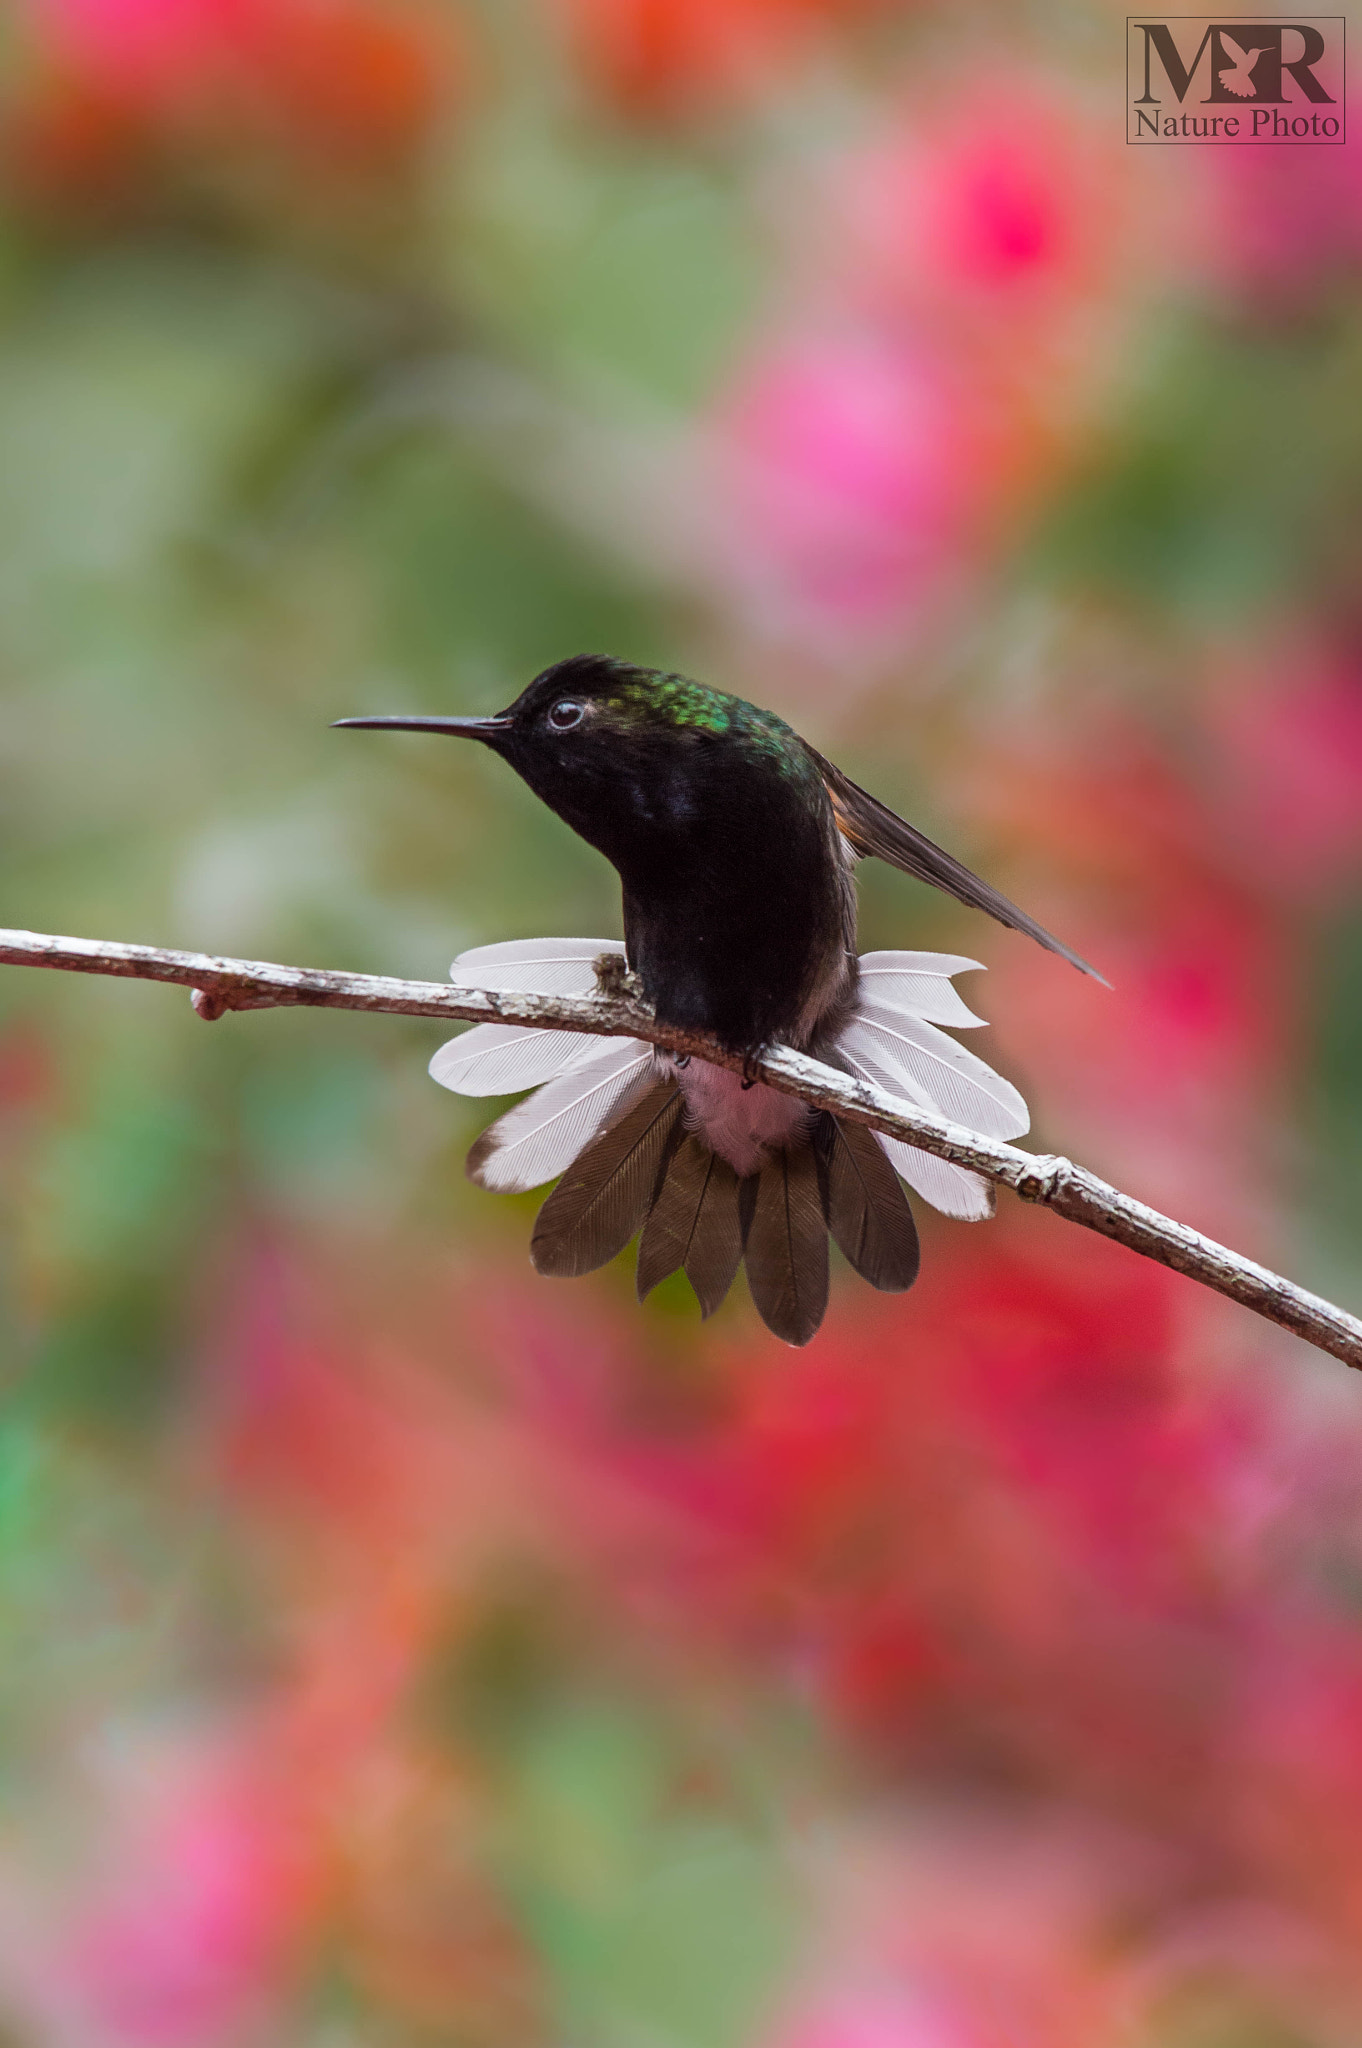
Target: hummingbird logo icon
{"x": 1236, "y": 76}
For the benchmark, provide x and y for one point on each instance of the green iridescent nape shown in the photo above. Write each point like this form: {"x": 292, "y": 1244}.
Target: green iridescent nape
{"x": 688, "y": 704}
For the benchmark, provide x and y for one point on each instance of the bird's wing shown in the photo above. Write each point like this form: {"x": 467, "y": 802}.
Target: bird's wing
{"x": 872, "y": 828}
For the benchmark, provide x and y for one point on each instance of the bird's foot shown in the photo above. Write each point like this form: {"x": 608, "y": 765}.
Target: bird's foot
{"x": 615, "y": 978}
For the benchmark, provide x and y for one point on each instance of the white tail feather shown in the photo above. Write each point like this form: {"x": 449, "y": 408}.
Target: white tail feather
{"x": 957, "y": 1083}
{"x": 581, "y": 1082}
{"x": 546, "y": 967}
{"x": 542, "y": 1135}
{"x": 865, "y": 1059}
{"x": 498, "y": 1059}
{"x": 919, "y": 983}
{"x": 954, "y": 1190}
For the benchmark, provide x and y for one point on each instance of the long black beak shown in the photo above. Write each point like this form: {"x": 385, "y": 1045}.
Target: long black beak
{"x": 490, "y": 730}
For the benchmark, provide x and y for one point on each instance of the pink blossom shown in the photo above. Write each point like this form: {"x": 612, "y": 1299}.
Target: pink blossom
{"x": 872, "y": 2018}
{"x": 190, "y": 1942}
{"x": 846, "y": 472}
{"x": 1000, "y": 202}
{"x": 178, "y": 1935}
{"x": 144, "y": 46}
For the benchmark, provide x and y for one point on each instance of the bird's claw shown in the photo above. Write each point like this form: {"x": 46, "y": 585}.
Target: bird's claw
{"x": 615, "y": 978}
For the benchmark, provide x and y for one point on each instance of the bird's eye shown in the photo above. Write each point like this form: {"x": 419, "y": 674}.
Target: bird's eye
{"x": 566, "y": 714}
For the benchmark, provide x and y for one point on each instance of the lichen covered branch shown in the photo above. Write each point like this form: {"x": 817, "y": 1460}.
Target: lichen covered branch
{"x": 219, "y": 985}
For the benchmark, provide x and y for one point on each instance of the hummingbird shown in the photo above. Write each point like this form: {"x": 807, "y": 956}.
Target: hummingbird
{"x": 735, "y": 842}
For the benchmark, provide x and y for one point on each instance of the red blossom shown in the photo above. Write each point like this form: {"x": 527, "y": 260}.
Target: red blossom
{"x": 1288, "y": 741}
{"x": 652, "y": 56}
{"x": 133, "y": 90}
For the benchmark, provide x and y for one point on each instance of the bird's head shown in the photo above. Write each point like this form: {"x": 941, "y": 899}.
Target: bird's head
{"x": 617, "y": 751}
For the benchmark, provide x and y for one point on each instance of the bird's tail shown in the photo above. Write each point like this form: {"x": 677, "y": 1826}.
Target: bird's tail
{"x": 712, "y": 1173}
{"x": 646, "y": 1172}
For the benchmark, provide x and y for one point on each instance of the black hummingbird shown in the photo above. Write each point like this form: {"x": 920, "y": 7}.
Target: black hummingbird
{"x": 735, "y": 842}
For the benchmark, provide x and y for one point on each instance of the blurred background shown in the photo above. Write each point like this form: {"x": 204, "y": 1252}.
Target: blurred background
{"x": 400, "y": 1650}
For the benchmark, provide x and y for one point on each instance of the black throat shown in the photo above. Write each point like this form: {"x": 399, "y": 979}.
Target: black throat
{"x": 739, "y": 914}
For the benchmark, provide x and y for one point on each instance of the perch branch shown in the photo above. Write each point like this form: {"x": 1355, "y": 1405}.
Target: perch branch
{"x": 1071, "y": 1191}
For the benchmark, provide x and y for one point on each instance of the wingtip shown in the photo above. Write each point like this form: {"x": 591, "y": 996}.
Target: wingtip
{"x": 1057, "y": 946}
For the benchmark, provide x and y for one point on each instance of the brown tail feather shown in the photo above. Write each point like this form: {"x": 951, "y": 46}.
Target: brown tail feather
{"x": 693, "y": 1223}
{"x": 671, "y": 1219}
{"x": 605, "y": 1194}
{"x": 716, "y": 1248}
{"x": 696, "y": 1214}
{"x": 787, "y": 1246}
{"x": 866, "y": 1208}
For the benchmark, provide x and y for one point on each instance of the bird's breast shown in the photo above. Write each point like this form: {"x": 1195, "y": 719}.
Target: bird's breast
{"x": 749, "y": 934}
